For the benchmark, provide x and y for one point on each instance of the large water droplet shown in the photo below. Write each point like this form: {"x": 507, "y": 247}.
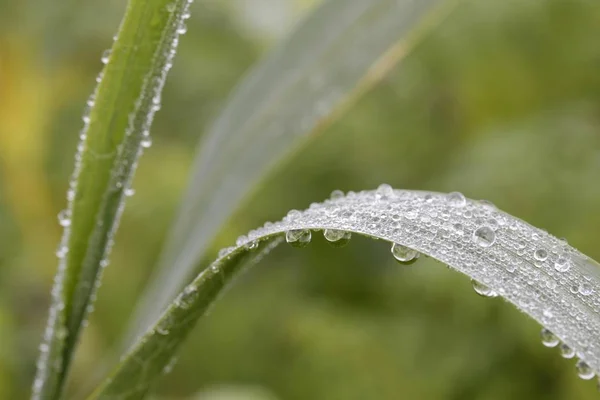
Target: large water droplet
{"x": 383, "y": 191}
{"x": 484, "y": 236}
{"x": 562, "y": 264}
{"x": 336, "y": 237}
{"x": 456, "y": 199}
{"x": 404, "y": 255}
{"x": 548, "y": 338}
{"x": 540, "y": 254}
{"x": 566, "y": 351}
{"x": 482, "y": 289}
{"x": 584, "y": 370}
{"x": 298, "y": 237}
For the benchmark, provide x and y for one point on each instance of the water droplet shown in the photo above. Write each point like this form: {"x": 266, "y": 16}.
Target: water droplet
{"x": 486, "y": 204}
{"x": 482, "y": 289}
{"x": 182, "y": 29}
{"x": 106, "y": 56}
{"x": 403, "y": 254}
{"x": 253, "y": 245}
{"x": 566, "y": 351}
{"x": 162, "y": 331}
{"x": 188, "y": 296}
{"x": 456, "y": 199}
{"x": 293, "y": 215}
{"x": 585, "y": 289}
{"x": 129, "y": 192}
{"x": 548, "y": 338}
{"x": 484, "y": 236}
{"x": 383, "y": 191}
{"x": 584, "y": 370}
{"x": 62, "y": 251}
{"x": 336, "y": 194}
{"x": 336, "y": 237}
{"x": 146, "y": 142}
{"x": 64, "y": 218}
{"x": 540, "y": 254}
{"x": 562, "y": 264}
{"x": 298, "y": 237}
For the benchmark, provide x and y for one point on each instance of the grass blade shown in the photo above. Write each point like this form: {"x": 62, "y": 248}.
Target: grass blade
{"x": 541, "y": 275}
{"x": 116, "y": 132}
{"x": 338, "y": 53}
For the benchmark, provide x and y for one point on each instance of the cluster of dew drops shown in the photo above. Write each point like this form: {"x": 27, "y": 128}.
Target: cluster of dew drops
{"x": 483, "y": 236}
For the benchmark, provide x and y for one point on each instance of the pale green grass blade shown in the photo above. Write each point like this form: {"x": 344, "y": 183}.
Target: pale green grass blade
{"x": 541, "y": 275}
{"x": 115, "y": 134}
{"x": 340, "y": 51}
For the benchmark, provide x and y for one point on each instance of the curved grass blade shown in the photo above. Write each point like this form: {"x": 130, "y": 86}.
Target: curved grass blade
{"x": 541, "y": 275}
{"x": 116, "y": 131}
{"x": 337, "y": 54}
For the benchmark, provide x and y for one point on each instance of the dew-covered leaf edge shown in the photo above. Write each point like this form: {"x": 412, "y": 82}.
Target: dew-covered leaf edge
{"x": 116, "y": 131}
{"x": 519, "y": 262}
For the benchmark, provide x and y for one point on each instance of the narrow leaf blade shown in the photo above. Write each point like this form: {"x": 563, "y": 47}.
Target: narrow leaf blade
{"x": 541, "y": 275}
{"x": 116, "y": 128}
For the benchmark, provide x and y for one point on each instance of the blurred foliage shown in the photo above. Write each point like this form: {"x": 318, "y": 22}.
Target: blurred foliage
{"x": 501, "y": 102}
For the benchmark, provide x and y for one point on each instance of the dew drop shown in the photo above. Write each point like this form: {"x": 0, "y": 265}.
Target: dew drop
{"x": 456, "y": 199}
{"x": 404, "y": 255}
{"x": 64, "y": 218}
{"x": 562, "y": 264}
{"x": 336, "y": 237}
{"x": 540, "y": 254}
{"x": 253, "y": 245}
{"x": 584, "y": 370}
{"x": 162, "y": 331}
{"x": 548, "y": 338}
{"x": 336, "y": 194}
{"x": 146, "y": 142}
{"x": 187, "y": 298}
{"x": 293, "y": 215}
{"x": 106, "y": 56}
{"x": 129, "y": 192}
{"x": 62, "y": 251}
{"x": 482, "y": 289}
{"x": 384, "y": 190}
{"x": 484, "y": 236}
{"x": 298, "y": 237}
{"x": 566, "y": 351}
{"x": 585, "y": 289}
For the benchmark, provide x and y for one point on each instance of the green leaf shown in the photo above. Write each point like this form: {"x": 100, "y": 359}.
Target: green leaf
{"x": 541, "y": 275}
{"x": 116, "y": 131}
{"x": 337, "y": 54}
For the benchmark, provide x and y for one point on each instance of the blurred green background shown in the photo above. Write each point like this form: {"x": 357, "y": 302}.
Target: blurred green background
{"x": 501, "y": 101}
